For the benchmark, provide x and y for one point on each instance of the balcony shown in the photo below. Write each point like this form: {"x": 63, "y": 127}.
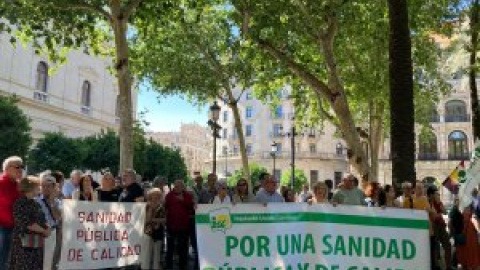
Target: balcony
{"x": 305, "y": 154}
{"x": 459, "y": 156}
{"x": 428, "y": 156}
{"x": 85, "y": 110}
{"x": 457, "y": 118}
{"x": 40, "y": 96}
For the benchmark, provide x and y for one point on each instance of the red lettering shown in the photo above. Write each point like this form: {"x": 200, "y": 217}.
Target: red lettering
{"x": 75, "y": 255}
{"x": 80, "y": 234}
{"x": 125, "y": 236}
{"x": 81, "y": 216}
{"x": 94, "y": 254}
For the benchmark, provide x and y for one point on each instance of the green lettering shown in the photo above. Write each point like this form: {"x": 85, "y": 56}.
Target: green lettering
{"x": 340, "y": 246}
{"x": 335, "y": 267}
{"x": 240, "y": 268}
{"x": 393, "y": 249}
{"x": 354, "y": 245}
{"x": 282, "y": 250}
{"x": 209, "y": 268}
{"x": 296, "y": 243}
{"x": 326, "y": 243}
{"x": 232, "y": 242}
{"x": 305, "y": 266}
{"x": 367, "y": 247}
{"x": 309, "y": 245}
{"x": 320, "y": 267}
{"x": 409, "y": 250}
{"x": 289, "y": 267}
{"x": 263, "y": 242}
{"x": 379, "y": 247}
{"x": 247, "y": 246}
{"x": 352, "y": 268}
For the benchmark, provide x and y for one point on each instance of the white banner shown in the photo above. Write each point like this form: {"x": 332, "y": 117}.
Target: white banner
{"x": 101, "y": 235}
{"x": 318, "y": 237}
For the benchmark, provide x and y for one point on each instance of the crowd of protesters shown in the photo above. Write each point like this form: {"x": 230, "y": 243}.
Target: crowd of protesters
{"x": 30, "y": 212}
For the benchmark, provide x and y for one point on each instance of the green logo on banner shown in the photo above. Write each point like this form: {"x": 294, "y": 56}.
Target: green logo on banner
{"x": 220, "y": 219}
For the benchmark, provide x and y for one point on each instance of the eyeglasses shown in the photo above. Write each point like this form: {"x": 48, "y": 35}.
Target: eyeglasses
{"x": 19, "y": 167}
{"x": 242, "y": 184}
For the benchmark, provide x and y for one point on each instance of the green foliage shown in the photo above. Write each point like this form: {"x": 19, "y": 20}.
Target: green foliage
{"x": 101, "y": 151}
{"x": 15, "y": 129}
{"x": 56, "y": 152}
{"x": 300, "y": 179}
{"x": 255, "y": 171}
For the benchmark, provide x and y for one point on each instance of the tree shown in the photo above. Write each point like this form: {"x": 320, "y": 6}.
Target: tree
{"x": 201, "y": 57}
{"x": 300, "y": 179}
{"x": 56, "y": 152}
{"x": 401, "y": 94}
{"x": 474, "y": 47}
{"x": 255, "y": 170}
{"x": 56, "y": 25}
{"x": 314, "y": 47}
{"x": 101, "y": 151}
{"x": 15, "y": 129}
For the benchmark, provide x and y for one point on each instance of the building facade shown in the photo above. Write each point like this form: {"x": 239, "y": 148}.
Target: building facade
{"x": 193, "y": 141}
{"x": 78, "y": 98}
{"x": 322, "y": 155}
{"x": 317, "y": 152}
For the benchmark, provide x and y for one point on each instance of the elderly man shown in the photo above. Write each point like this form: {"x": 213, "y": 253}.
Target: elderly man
{"x": 349, "y": 194}
{"x": 179, "y": 207}
{"x": 12, "y": 173}
{"x": 51, "y": 207}
{"x": 70, "y": 186}
{"x": 132, "y": 191}
{"x": 269, "y": 193}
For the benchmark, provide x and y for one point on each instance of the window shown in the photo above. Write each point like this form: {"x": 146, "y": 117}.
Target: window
{"x": 225, "y": 133}
{"x": 42, "y": 77}
{"x": 339, "y": 149}
{"x": 225, "y": 116}
{"x": 279, "y": 148}
{"x": 455, "y": 111}
{"x": 313, "y": 148}
{"x": 235, "y": 135}
{"x": 434, "y": 117}
{"x": 278, "y": 112}
{"x": 224, "y": 151}
{"x": 337, "y": 176}
{"x": 249, "y": 96}
{"x": 311, "y": 132}
{"x": 249, "y": 112}
{"x": 86, "y": 93}
{"x": 277, "y": 130}
{"x": 248, "y": 130}
{"x": 313, "y": 177}
{"x": 249, "y": 150}
{"x": 235, "y": 150}
{"x": 457, "y": 146}
{"x": 428, "y": 148}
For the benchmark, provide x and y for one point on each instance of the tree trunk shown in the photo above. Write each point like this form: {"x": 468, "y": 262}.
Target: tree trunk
{"x": 241, "y": 139}
{"x": 119, "y": 25}
{"x": 401, "y": 94}
{"x": 474, "y": 25}
{"x": 375, "y": 137}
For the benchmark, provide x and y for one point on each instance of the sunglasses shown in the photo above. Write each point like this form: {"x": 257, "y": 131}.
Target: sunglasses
{"x": 242, "y": 184}
{"x": 19, "y": 167}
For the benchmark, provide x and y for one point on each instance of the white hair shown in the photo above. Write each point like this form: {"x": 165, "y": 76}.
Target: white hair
{"x": 75, "y": 172}
{"x": 46, "y": 176}
{"x": 13, "y": 159}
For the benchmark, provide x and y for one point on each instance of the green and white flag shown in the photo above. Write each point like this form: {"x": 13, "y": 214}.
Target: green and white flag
{"x": 311, "y": 237}
{"x": 472, "y": 178}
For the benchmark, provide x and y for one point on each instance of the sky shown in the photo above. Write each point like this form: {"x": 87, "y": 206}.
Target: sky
{"x": 168, "y": 113}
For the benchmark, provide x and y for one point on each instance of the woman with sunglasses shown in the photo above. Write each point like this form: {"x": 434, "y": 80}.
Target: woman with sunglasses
{"x": 242, "y": 194}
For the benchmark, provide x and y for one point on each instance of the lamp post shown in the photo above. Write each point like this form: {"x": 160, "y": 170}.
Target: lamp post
{"x": 273, "y": 153}
{"x": 226, "y": 161}
{"x": 292, "y": 134}
{"x": 213, "y": 123}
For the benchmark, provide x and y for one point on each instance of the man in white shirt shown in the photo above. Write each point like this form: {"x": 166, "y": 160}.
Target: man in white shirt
{"x": 303, "y": 197}
{"x": 269, "y": 193}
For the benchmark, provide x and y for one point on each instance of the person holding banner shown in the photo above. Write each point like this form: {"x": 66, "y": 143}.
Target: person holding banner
{"x": 107, "y": 191}
{"x": 86, "y": 191}
{"x": 349, "y": 194}
{"x": 154, "y": 230}
{"x": 468, "y": 249}
{"x": 222, "y": 196}
{"x": 30, "y": 229}
{"x": 269, "y": 193}
{"x": 70, "y": 186}
{"x": 12, "y": 173}
{"x": 242, "y": 193}
{"x": 132, "y": 191}
{"x": 51, "y": 207}
{"x": 320, "y": 194}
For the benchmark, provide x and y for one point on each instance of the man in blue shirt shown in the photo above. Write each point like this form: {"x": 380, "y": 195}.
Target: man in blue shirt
{"x": 51, "y": 207}
{"x": 70, "y": 186}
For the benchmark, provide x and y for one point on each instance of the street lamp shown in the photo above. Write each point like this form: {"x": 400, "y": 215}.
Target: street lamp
{"x": 212, "y": 123}
{"x": 225, "y": 152}
{"x": 273, "y": 153}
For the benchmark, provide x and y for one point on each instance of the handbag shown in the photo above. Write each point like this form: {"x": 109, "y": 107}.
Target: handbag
{"x": 31, "y": 240}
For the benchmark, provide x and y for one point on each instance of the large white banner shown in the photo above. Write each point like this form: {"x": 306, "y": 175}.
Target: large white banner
{"x": 317, "y": 237}
{"x": 101, "y": 235}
